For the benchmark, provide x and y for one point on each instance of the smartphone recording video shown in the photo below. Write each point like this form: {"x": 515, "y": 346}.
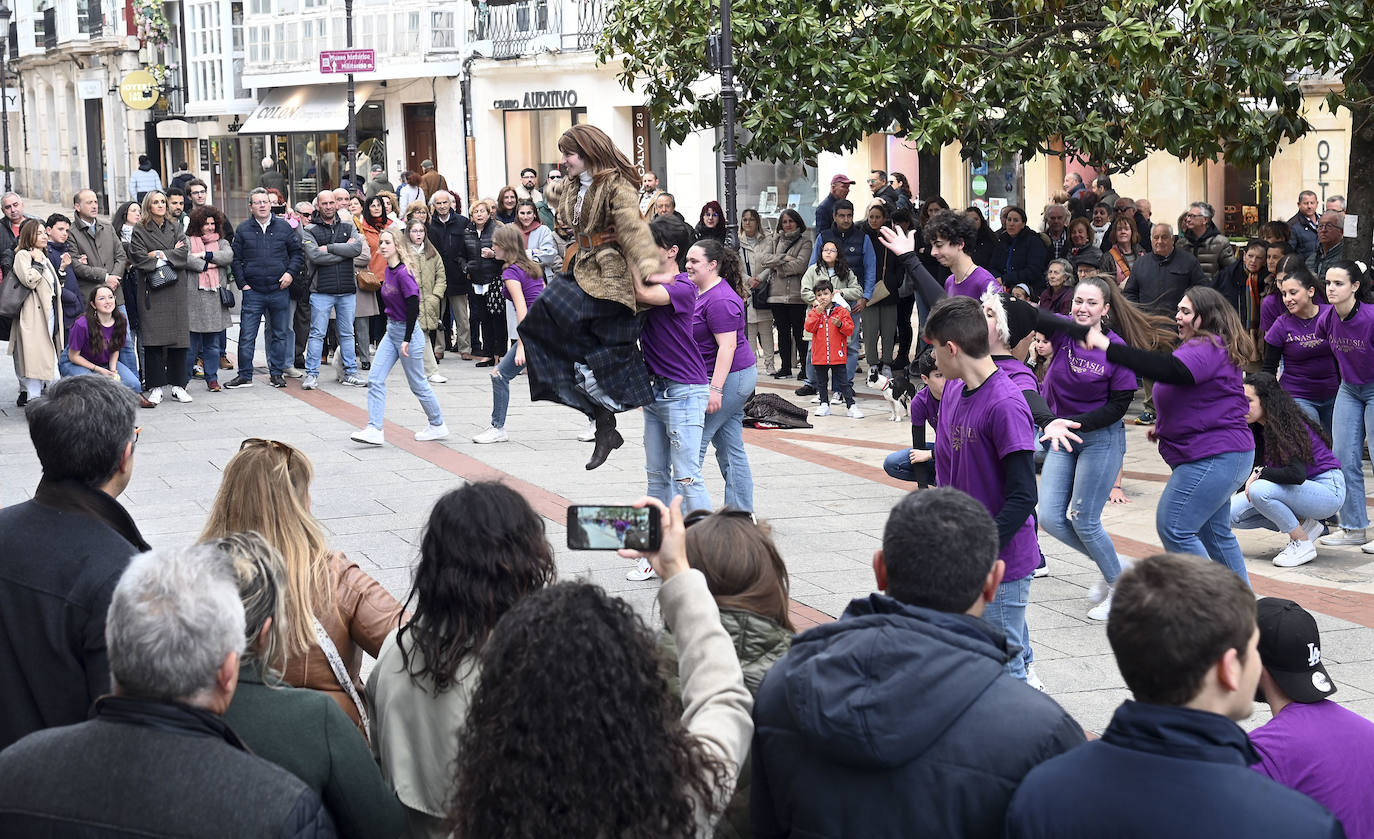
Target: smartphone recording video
{"x": 609, "y": 527}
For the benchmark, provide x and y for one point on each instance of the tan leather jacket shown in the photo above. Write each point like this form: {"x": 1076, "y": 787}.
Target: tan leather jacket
{"x": 604, "y": 271}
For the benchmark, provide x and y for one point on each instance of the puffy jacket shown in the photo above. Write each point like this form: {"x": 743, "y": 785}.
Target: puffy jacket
{"x": 448, "y": 238}
{"x": 1022, "y": 259}
{"x": 897, "y": 721}
{"x": 1212, "y": 249}
{"x": 262, "y": 256}
{"x": 1163, "y": 771}
{"x": 333, "y": 270}
{"x": 781, "y": 261}
{"x": 829, "y": 341}
{"x": 857, "y": 250}
{"x": 1303, "y": 235}
{"x": 481, "y": 269}
{"x": 1157, "y": 283}
{"x": 846, "y": 287}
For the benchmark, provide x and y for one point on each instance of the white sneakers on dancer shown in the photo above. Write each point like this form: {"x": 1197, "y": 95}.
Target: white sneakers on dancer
{"x": 369, "y": 435}
{"x": 492, "y": 435}
{"x": 1103, "y": 609}
{"x": 1034, "y": 680}
{"x": 438, "y": 378}
{"x": 643, "y": 572}
{"x": 855, "y": 413}
{"x": 1296, "y": 552}
{"x": 823, "y": 410}
{"x": 432, "y": 432}
{"x": 155, "y": 396}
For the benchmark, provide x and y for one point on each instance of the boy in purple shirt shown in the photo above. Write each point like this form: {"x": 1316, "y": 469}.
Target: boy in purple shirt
{"x": 985, "y": 446}
{"x": 1312, "y": 744}
{"x": 925, "y": 407}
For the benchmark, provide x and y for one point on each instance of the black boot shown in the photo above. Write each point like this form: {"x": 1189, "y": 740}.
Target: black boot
{"x": 607, "y": 438}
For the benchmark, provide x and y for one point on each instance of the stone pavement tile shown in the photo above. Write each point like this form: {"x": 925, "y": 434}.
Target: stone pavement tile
{"x": 1073, "y": 640}
{"x": 1041, "y": 617}
{"x": 385, "y": 549}
{"x": 1079, "y": 673}
{"x": 1358, "y": 676}
{"x": 1349, "y": 645}
{"x": 808, "y": 563}
{"x": 857, "y": 581}
{"x": 1051, "y": 588}
{"x": 1091, "y": 709}
{"x": 799, "y": 587}
{"x": 830, "y": 604}
{"x": 374, "y": 524}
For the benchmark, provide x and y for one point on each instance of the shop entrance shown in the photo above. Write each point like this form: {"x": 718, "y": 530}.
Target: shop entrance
{"x": 419, "y": 125}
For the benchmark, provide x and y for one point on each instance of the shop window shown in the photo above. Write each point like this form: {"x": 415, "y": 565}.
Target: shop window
{"x": 997, "y": 183}
{"x": 1246, "y": 201}
{"x": 532, "y": 139}
{"x": 771, "y": 188}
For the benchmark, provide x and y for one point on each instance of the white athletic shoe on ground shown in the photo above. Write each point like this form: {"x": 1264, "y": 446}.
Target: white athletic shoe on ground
{"x": 1368, "y": 547}
{"x": 643, "y": 572}
{"x": 369, "y": 435}
{"x": 1042, "y": 571}
{"x": 1313, "y": 528}
{"x": 492, "y": 435}
{"x": 588, "y": 434}
{"x": 180, "y": 394}
{"x": 823, "y": 410}
{"x": 1034, "y": 680}
{"x": 1099, "y": 591}
{"x": 432, "y": 432}
{"x": 438, "y": 378}
{"x": 1335, "y": 539}
{"x": 1102, "y": 610}
{"x": 310, "y": 383}
{"x": 1296, "y": 553}
{"x": 292, "y": 373}
{"x": 855, "y": 413}
{"x": 155, "y": 396}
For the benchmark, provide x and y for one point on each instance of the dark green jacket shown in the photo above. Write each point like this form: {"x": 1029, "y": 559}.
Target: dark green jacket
{"x": 759, "y": 643}
{"x": 304, "y": 732}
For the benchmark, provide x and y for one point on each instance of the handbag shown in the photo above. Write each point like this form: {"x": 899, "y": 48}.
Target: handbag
{"x": 880, "y": 292}
{"x": 13, "y": 295}
{"x": 759, "y": 295}
{"x": 226, "y": 297}
{"x": 164, "y": 276}
{"x": 368, "y": 282}
{"x": 336, "y": 664}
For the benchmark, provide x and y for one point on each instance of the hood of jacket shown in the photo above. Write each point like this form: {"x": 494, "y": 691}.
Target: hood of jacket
{"x": 850, "y": 686}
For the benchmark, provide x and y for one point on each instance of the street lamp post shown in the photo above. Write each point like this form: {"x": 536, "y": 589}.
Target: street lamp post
{"x": 4, "y": 100}
{"x": 725, "y": 57}
{"x": 351, "y": 152}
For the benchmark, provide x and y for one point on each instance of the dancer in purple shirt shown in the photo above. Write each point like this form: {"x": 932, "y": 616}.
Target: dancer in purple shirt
{"x": 1309, "y": 368}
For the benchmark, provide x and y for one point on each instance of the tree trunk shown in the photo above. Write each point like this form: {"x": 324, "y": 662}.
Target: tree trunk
{"x": 928, "y": 173}
{"x": 1359, "y": 197}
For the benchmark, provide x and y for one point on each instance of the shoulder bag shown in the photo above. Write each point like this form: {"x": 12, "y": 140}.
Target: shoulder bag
{"x": 336, "y": 664}
{"x": 164, "y": 276}
{"x": 368, "y": 282}
{"x": 226, "y": 297}
{"x": 13, "y": 294}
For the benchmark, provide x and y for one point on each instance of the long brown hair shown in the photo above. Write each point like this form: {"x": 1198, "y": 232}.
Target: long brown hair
{"x": 742, "y": 566}
{"x": 597, "y": 151}
{"x": 95, "y": 337}
{"x": 507, "y": 237}
{"x": 266, "y": 488}
{"x": 1137, "y": 328}
{"x": 1219, "y": 319}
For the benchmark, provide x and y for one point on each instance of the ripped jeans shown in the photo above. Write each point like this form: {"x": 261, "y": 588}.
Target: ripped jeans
{"x": 673, "y": 426}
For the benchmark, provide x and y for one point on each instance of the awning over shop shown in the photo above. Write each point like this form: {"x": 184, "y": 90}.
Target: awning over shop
{"x": 306, "y": 109}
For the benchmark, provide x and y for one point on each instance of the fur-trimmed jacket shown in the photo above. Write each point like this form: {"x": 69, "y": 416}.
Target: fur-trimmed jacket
{"x": 603, "y": 271}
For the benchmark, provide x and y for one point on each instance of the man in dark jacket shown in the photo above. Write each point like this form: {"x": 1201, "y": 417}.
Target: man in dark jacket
{"x": 12, "y": 207}
{"x": 825, "y": 211}
{"x": 156, "y": 759}
{"x": 881, "y": 188}
{"x": 1203, "y": 240}
{"x": 1303, "y": 225}
{"x": 448, "y": 231}
{"x": 61, "y": 554}
{"x": 1172, "y": 762}
{"x": 1158, "y": 280}
{"x": 271, "y": 178}
{"x": 1330, "y": 245}
{"x": 899, "y": 719}
{"x": 267, "y": 259}
{"x": 330, "y": 244}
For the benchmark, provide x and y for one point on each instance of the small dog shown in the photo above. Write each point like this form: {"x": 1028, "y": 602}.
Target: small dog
{"x": 896, "y": 389}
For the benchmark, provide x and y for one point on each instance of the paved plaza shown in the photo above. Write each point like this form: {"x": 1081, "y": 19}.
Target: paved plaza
{"x": 822, "y": 490}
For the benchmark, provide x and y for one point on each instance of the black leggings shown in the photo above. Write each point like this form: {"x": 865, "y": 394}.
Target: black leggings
{"x": 165, "y": 366}
{"x": 789, "y": 319}
{"x": 488, "y": 330}
{"x": 905, "y": 306}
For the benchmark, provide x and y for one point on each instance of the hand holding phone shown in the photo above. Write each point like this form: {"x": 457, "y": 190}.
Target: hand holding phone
{"x": 612, "y": 527}
{"x": 671, "y": 557}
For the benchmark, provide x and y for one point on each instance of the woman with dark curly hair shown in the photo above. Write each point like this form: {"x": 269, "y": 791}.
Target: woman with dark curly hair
{"x": 427, "y": 670}
{"x": 1296, "y": 482}
{"x": 207, "y": 235}
{"x": 711, "y": 222}
{"x": 573, "y": 732}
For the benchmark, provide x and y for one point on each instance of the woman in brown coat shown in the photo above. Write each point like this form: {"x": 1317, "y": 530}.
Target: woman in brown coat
{"x": 164, "y": 314}
{"x": 36, "y": 334}
{"x": 335, "y": 611}
{"x": 783, "y": 260}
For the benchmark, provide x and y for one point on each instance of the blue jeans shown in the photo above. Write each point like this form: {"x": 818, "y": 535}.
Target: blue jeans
{"x": 206, "y": 346}
{"x": 276, "y": 305}
{"x": 1007, "y": 612}
{"x": 725, "y": 428}
{"x": 899, "y": 465}
{"x": 501, "y": 378}
{"x": 388, "y": 353}
{"x": 128, "y": 355}
{"x": 66, "y": 367}
{"x": 673, "y": 424}
{"x": 344, "y": 306}
{"x": 853, "y": 349}
{"x": 1194, "y": 512}
{"x": 1321, "y": 412}
{"x": 1074, "y": 487}
{"x": 1282, "y": 507}
{"x": 1353, "y": 423}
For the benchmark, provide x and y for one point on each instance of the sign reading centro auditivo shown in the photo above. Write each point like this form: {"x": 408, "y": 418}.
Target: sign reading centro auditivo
{"x": 535, "y": 99}
{"x": 348, "y": 61}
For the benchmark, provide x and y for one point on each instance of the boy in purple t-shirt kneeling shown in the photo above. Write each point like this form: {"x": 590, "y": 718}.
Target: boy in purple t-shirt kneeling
{"x": 985, "y": 446}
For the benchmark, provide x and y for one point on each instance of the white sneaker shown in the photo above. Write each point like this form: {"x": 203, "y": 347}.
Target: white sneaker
{"x": 1099, "y": 591}
{"x": 432, "y": 432}
{"x": 836, "y": 399}
{"x": 180, "y": 394}
{"x": 816, "y": 400}
{"x": 823, "y": 410}
{"x": 1102, "y": 610}
{"x": 371, "y": 436}
{"x": 438, "y": 378}
{"x": 855, "y": 413}
{"x": 1368, "y": 547}
{"x": 1034, "y": 680}
{"x": 645, "y": 571}
{"x": 1042, "y": 571}
{"x": 292, "y": 373}
{"x": 155, "y": 396}
{"x": 1296, "y": 553}
{"x": 1336, "y": 539}
{"x": 588, "y": 434}
{"x": 1313, "y": 528}
{"x": 492, "y": 435}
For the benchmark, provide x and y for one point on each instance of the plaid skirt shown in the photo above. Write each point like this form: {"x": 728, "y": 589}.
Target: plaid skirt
{"x": 566, "y": 327}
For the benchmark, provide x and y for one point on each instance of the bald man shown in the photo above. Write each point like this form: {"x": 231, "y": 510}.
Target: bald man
{"x": 332, "y": 245}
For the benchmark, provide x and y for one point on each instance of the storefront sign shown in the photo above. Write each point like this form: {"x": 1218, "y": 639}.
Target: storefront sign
{"x": 139, "y": 90}
{"x": 348, "y": 61}
{"x": 90, "y": 89}
{"x": 1323, "y": 165}
{"x": 536, "y": 99}
{"x": 640, "y": 154}
{"x": 205, "y": 155}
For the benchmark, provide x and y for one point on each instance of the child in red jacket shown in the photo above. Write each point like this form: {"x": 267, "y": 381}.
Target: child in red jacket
{"x": 830, "y": 326}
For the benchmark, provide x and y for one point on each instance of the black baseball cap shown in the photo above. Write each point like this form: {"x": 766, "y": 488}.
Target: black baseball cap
{"x": 1290, "y": 649}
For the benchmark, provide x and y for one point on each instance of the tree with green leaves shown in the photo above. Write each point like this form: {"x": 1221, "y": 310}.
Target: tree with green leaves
{"x": 1108, "y": 81}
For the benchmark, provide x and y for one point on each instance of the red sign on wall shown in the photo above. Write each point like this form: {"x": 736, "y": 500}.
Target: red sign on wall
{"x": 348, "y": 61}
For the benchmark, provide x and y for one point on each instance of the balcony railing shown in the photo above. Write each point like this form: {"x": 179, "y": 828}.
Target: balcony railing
{"x": 513, "y": 28}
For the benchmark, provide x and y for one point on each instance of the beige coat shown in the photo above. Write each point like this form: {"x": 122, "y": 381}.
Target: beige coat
{"x": 36, "y": 335}
{"x": 611, "y": 203}
{"x": 433, "y": 282}
{"x": 783, "y": 261}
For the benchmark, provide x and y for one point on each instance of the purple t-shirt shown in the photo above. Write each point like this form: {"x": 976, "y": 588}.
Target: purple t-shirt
{"x": 1326, "y": 752}
{"x": 1271, "y": 307}
{"x": 978, "y": 281}
{"x": 1352, "y": 342}
{"x": 925, "y": 408}
{"x": 80, "y": 337}
{"x": 1309, "y": 368}
{"x": 1018, "y": 371}
{"x": 396, "y": 287}
{"x": 975, "y": 431}
{"x": 1207, "y": 417}
{"x": 1079, "y": 380}
{"x": 666, "y": 337}
{"x": 720, "y": 310}
{"x": 530, "y": 287}
{"x": 1322, "y": 458}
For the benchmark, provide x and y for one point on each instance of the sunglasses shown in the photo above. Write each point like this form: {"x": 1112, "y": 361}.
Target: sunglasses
{"x": 555, "y": 177}
{"x": 259, "y": 442}
{"x": 727, "y": 512}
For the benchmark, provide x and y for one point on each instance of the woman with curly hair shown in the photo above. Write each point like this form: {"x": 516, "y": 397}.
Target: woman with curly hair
{"x": 482, "y": 550}
{"x": 1296, "y": 481}
{"x": 711, "y": 222}
{"x": 573, "y": 732}
{"x": 207, "y": 235}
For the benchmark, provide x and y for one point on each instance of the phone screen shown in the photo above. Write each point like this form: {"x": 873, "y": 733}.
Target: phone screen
{"x": 279, "y": 209}
{"x": 608, "y": 527}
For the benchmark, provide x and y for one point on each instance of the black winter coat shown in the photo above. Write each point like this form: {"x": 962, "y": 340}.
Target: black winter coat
{"x": 897, "y": 721}
{"x": 1021, "y": 260}
{"x": 481, "y": 269}
{"x": 260, "y": 258}
{"x": 450, "y": 240}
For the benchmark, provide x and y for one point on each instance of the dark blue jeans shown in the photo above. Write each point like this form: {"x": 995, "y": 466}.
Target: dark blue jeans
{"x": 276, "y": 306}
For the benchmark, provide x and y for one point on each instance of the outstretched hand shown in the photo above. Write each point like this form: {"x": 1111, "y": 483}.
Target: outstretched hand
{"x": 1058, "y": 433}
{"x": 897, "y": 241}
{"x": 671, "y": 557}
